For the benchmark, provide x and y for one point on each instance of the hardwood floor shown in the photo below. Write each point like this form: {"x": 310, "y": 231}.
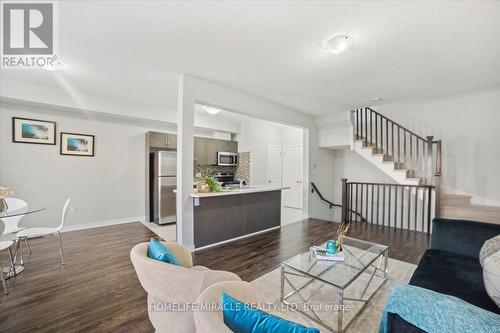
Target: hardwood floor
{"x": 97, "y": 290}
{"x": 258, "y": 255}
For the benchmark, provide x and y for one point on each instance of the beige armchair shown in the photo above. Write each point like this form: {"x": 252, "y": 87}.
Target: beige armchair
{"x": 168, "y": 284}
{"x": 212, "y": 321}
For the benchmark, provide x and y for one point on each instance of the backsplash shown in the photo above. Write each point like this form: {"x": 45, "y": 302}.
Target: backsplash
{"x": 243, "y": 169}
{"x": 208, "y": 170}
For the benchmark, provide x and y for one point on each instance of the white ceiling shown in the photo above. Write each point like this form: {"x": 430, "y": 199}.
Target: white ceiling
{"x": 133, "y": 51}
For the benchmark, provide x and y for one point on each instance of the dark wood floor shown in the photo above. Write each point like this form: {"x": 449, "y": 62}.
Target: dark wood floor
{"x": 97, "y": 290}
{"x": 256, "y": 256}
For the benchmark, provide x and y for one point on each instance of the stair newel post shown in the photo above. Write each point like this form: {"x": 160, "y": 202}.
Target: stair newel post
{"x": 345, "y": 204}
{"x": 437, "y": 181}
{"x": 428, "y": 160}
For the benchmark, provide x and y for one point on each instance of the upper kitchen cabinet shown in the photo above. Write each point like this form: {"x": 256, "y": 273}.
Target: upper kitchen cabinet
{"x": 228, "y": 146}
{"x": 205, "y": 150}
{"x": 162, "y": 140}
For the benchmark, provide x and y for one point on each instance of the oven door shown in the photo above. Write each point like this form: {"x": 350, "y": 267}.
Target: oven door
{"x": 227, "y": 159}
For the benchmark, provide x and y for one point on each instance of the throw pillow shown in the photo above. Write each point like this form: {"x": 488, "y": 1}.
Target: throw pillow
{"x": 242, "y": 318}
{"x": 491, "y": 276}
{"x": 489, "y": 247}
{"x": 158, "y": 251}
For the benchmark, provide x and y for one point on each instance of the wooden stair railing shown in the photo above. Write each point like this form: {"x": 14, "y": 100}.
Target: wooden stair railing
{"x": 398, "y": 144}
{"x": 392, "y": 205}
{"x": 314, "y": 189}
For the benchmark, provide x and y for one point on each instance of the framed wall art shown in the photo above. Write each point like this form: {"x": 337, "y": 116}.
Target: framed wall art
{"x": 77, "y": 144}
{"x": 33, "y": 131}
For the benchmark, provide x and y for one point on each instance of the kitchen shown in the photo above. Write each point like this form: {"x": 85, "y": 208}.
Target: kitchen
{"x": 250, "y": 159}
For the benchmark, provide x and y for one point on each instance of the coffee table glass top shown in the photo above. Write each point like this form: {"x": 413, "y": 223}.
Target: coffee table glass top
{"x": 358, "y": 256}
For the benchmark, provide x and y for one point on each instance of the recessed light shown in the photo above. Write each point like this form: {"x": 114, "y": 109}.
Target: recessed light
{"x": 211, "y": 110}
{"x": 338, "y": 44}
{"x": 376, "y": 99}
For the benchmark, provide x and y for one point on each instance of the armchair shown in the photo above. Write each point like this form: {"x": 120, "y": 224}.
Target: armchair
{"x": 168, "y": 284}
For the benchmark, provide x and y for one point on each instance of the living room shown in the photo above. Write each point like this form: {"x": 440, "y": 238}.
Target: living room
{"x": 393, "y": 106}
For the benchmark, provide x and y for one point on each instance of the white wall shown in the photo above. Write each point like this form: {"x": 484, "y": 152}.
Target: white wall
{"x": 467, "y": 124}
{"x": 193, "y": 91}
{"x": 106, "y": 187}
{"x": 256, "y": 135}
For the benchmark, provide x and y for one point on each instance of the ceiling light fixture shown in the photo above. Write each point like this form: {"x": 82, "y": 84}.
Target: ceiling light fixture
{"x": 338, "y": 44}
{"x": 211, "y": 110}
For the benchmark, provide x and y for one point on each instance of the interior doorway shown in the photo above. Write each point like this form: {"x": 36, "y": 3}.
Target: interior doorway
{"x": 285, "y": 167}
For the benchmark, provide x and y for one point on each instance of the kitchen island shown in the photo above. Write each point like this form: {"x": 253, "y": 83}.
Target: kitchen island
{"x": 223, "y": 216}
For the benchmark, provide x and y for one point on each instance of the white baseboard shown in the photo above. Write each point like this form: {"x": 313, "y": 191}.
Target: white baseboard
{"x": 99, "y": 224}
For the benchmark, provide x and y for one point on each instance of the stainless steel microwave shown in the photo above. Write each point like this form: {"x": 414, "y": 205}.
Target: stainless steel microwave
{"x": 227, "y": 159}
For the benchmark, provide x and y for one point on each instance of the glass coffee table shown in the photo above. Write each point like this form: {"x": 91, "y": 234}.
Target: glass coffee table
{"x": 334, "y": 294}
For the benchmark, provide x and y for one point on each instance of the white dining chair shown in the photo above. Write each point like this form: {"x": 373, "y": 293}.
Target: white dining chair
{"x": 5, "y": 245}
{"x": 12, "y": 223}
{"x": 40, "y": 232}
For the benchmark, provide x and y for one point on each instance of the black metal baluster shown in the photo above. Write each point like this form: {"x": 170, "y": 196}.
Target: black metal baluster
{"x": 389, "y": 207}
{"x": 423, "y": 206}
{"x": 362, "y": 124}
{"x": 371, "y": 127}
{"x": 402, "y": 207}
{"x": 396, "y": 207}
{"x": 350, "y": 201}
{"x": 417, "y": 166}
{"x": 429, "y": 200}
{"x": 399, "y": 147}
{"x": 372, "y": 187}
{"x": 392, "y": 146}
{"x": 356, "y": 204}
{"x": 376, "y": 131}
{"x": 387, "y": 136}
{"x": 361, "y": 202}
{"x": 357, "y": 124}
{"x": 409, "y": 208}
{"x": 416, "y": 208}
{"x": 378, "y": 204}
{"x": 404, "y": 149}
{"x": 383, "y": 205}
{"x": 366, "y": 127}
{"x": 366, "y": 202}
{"x": 411, "y": 156}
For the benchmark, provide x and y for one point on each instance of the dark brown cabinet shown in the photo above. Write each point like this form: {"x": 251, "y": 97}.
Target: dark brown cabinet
{"x": 162, "y": 140}
{"x": 218, "y": 219}
{"x": 205, "y": 149}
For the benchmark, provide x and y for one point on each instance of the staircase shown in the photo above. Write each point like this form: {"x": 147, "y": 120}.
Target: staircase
{"x": 460, "y": 207}
{"x": 412, "y": 160}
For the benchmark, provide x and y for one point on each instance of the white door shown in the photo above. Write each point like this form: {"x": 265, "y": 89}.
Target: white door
{"x": 293, "y": 175}
{"x": 274, "y": 175}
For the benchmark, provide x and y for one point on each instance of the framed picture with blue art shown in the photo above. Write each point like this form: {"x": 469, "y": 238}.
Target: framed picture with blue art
{"x": 34, "y": 131}
{"x": 77, "y": 144}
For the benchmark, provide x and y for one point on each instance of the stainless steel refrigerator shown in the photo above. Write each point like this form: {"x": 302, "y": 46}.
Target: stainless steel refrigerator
{"x": 163, "y": 172}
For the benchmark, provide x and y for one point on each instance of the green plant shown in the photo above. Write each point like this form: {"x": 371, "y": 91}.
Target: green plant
{"x": 213, "y": 184}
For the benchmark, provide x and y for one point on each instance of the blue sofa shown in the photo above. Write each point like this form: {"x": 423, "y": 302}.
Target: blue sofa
{"x": 451, "y": 266}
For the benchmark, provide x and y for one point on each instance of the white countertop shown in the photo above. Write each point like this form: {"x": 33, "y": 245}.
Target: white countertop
{"x": 250, "y": 189}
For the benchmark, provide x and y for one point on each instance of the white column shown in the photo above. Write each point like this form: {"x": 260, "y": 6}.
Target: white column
{"x": 185, "y": 139}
